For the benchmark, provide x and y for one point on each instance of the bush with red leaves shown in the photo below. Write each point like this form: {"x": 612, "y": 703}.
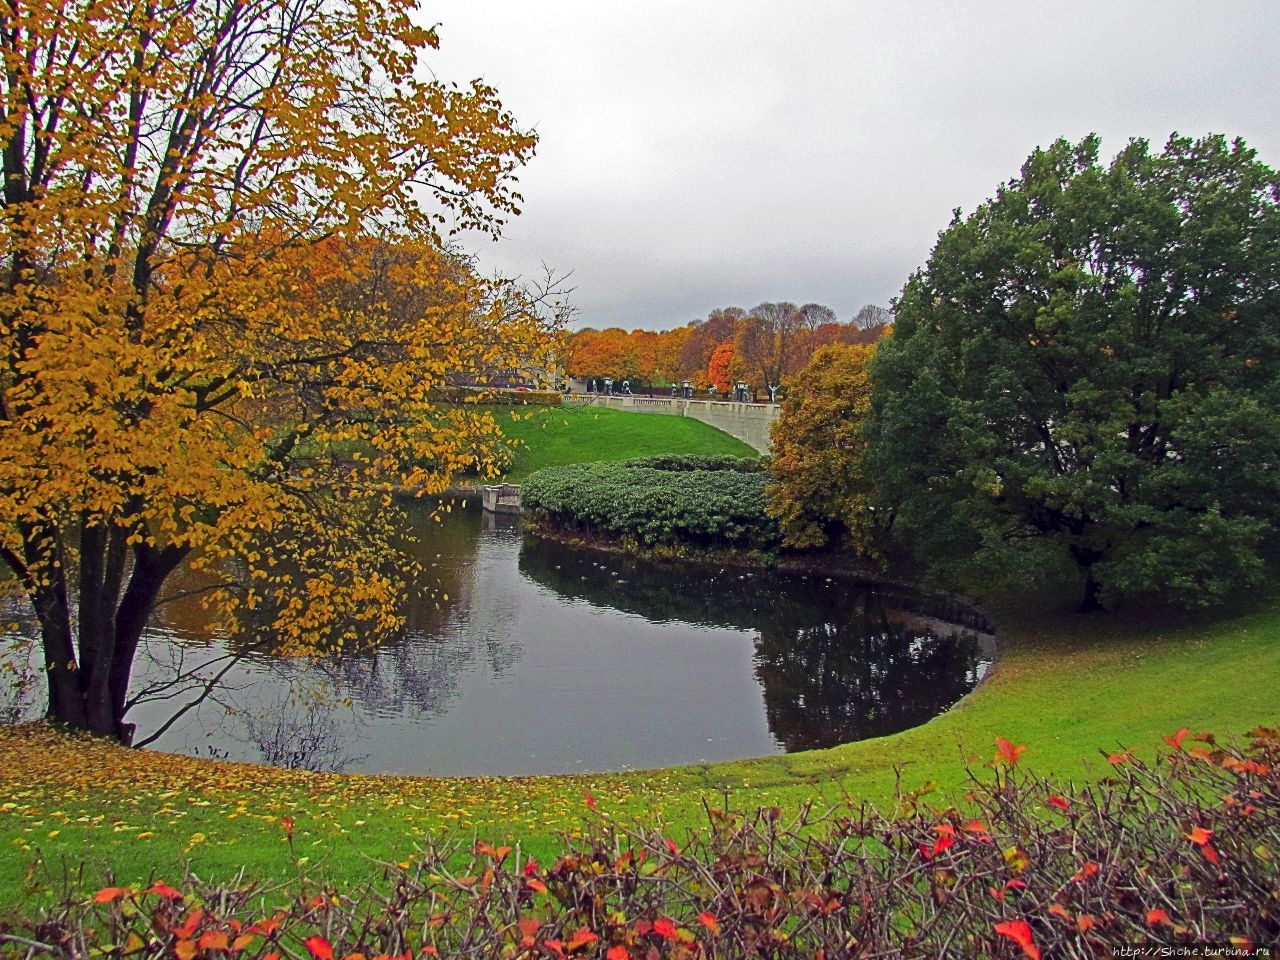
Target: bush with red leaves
{"x": 1181, "y": 851}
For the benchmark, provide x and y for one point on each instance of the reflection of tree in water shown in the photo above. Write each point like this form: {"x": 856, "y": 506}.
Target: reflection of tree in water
{"x": 700, "y": 594}
{"x": 838, "y": 661}
{"x": 442, "y": 638}
{"x": 417, "y": 670}
{"x": 303, "y": 728}
{"x": 861, "y": 672}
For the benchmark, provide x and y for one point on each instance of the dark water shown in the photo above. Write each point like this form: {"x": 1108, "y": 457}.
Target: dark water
{"x": 552, "y": 660}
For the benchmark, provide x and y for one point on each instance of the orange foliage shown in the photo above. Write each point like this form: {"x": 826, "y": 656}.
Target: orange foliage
{"x": 638, "y": 355}
{"x": 720, "y": 367}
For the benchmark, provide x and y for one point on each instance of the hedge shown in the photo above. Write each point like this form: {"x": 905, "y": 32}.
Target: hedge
{"x": 664, "y": 501}
{"x": 502, "y": 397}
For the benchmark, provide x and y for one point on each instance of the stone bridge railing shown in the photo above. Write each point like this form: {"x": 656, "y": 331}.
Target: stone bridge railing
{"x": 500, "y": 498}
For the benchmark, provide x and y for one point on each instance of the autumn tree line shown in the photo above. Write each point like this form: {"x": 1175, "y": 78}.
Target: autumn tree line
{"x": 763, "y": 346}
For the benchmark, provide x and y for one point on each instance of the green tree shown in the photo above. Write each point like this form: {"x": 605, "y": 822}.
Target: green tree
{"x": 819, "y": 490}
{"x": 1086, "y": 369}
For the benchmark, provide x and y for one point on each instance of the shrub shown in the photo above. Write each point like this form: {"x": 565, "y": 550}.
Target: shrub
{"x": 1178, "y": 853}
{"x": 666, "y": 501}
{"x": 683, "y": 462}
{"x": 502, "y": 397}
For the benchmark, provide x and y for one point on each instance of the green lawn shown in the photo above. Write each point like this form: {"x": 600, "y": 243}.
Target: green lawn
{"x": 1066, "y": 687}
{"x": 568, "y": 433}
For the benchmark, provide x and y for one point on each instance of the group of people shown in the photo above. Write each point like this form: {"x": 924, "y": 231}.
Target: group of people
{"x": 740, "y": 393}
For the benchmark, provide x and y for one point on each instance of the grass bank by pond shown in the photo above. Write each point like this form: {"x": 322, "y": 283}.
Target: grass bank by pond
{"x": 1067, "y": 686}
{"x": 568, "y": 433}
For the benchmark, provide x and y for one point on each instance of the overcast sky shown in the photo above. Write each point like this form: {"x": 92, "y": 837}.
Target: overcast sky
{"x": 704, "y": 154}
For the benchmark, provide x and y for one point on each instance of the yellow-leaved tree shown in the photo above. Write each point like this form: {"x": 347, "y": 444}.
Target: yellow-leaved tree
{"x": 820, "y": 492}
{"x": 227, "y": 312}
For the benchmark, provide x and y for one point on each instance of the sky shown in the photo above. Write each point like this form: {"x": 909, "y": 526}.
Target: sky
{"x": 707, "y": 153}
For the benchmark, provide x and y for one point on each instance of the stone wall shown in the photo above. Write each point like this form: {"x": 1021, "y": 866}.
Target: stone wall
{"x": 749, "y": 422}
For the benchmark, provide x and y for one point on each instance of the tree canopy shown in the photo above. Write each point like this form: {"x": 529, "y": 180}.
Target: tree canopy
{"x": 767, "y": 345}
{"x": 222, "y": 268}
{"x": 820, "y": 491}
{"x": 1085, "y": 369}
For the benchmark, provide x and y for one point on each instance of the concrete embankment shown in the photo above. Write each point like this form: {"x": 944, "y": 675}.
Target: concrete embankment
{"x": 749, "y": 422}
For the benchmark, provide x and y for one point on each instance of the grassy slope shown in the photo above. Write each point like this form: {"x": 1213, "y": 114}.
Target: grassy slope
{"x": 552, "y": 436}
{"x": 1065, "y": 691}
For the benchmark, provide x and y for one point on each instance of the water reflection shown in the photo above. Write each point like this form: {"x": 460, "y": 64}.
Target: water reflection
{"x": 547, "y": 659}
{"x": 837, "y": 661}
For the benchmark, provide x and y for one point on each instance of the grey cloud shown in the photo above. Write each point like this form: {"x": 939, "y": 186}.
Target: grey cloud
{"x": 700, "y": 154}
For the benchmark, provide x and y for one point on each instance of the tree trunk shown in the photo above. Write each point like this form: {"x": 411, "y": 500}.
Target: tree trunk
{"x": 151, "y": 567}
{"x": 1090, "y": 603}
{"x": 89, "y": 692}
{"x": 1085, "y": 558}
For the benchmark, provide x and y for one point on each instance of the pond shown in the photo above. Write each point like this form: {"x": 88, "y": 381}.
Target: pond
{"x": 549, "y": 659}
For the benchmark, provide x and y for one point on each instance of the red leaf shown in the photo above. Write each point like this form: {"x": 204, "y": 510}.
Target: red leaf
{"x": 671, "y": 845}
{"x": 1020, "y": 933}
{"x": 266, "y": 927}
{"x": 617, "y": 953}
{"x": 111, "y": 894}
{"x": 1199, "y": 835}
{"x": 1158, "y": 916}
{"x": 1176, "y": 740}
{"x": 530, "y": 867}
{"x": 163, "y": 890}
{"x": 591, "y": 801}
{"x": 664, "y": 928}
{"x": 1008, "y": 752}
{"x": 536, "y": 885}
{"x": 1116, "y": 759}
{"x": 946, "y": 840}
{"x": 214, "y": 940}
{"x": 581, "y": 939}
{"x": 1060, "y": 803}
{"x": 190, "y": 924}
{"x": 1087, "y": 871}
{"x": 319, "y": 948}
{"x": 709, "y": 921}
